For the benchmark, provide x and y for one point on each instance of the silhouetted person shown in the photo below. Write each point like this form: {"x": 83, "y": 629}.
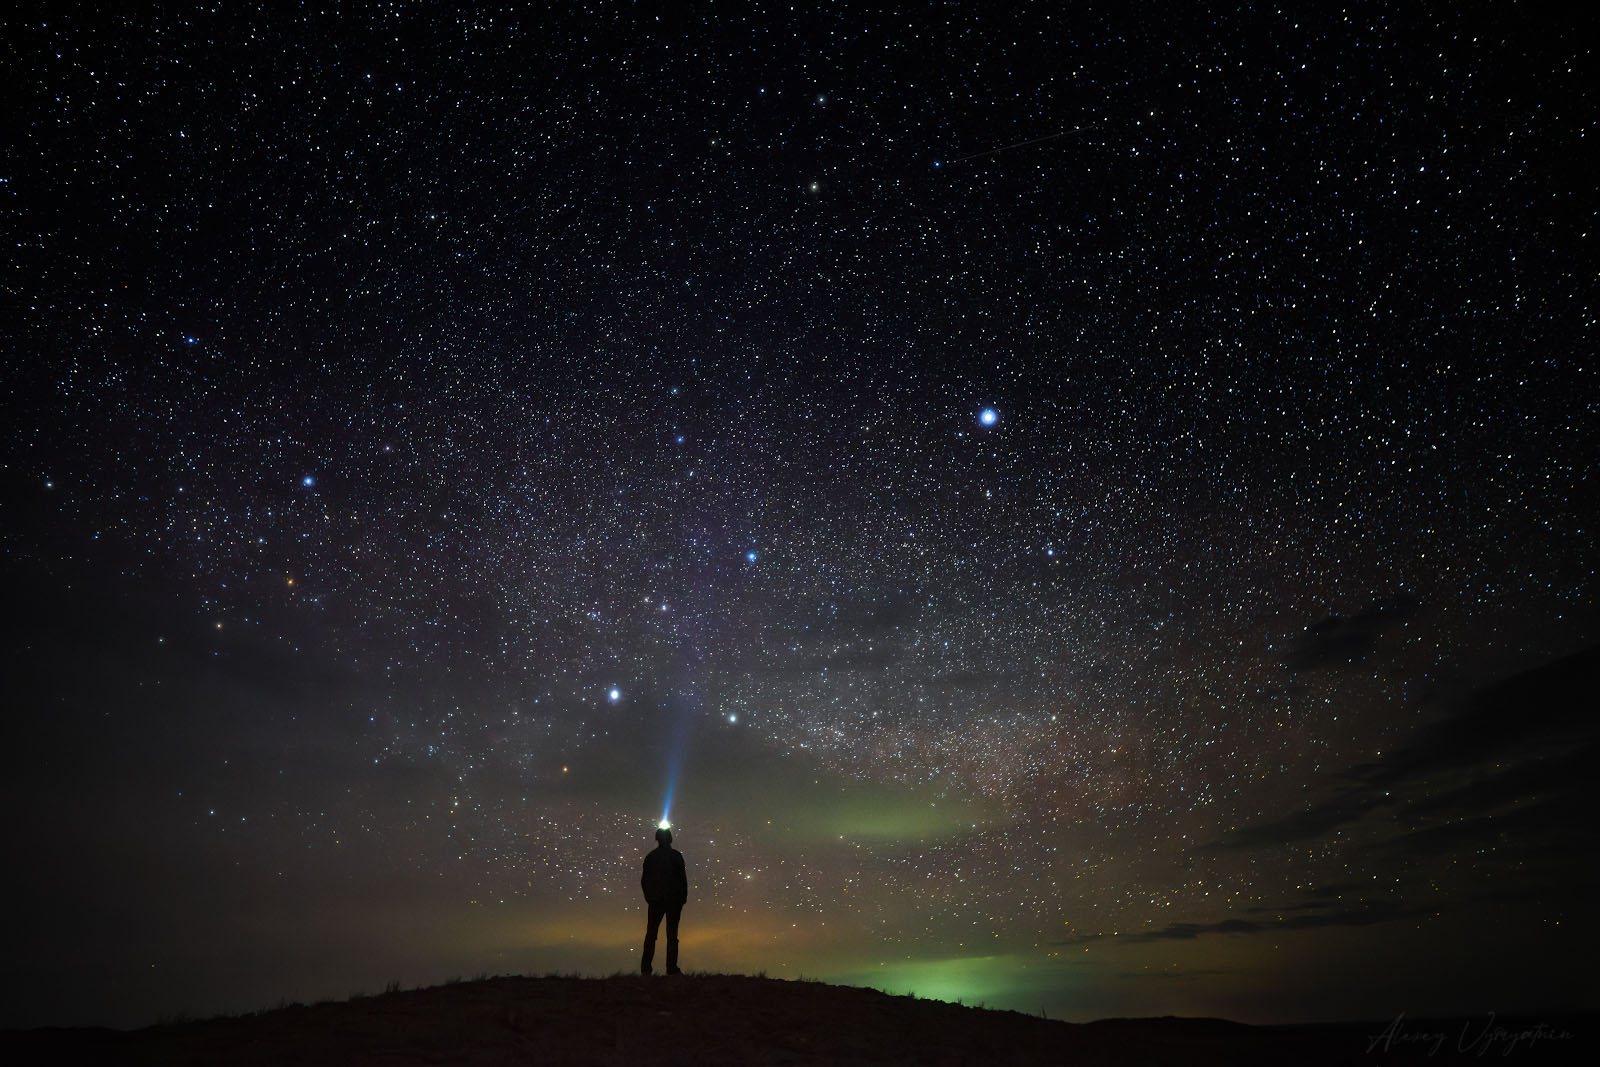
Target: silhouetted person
{"x": 666, "y": 889}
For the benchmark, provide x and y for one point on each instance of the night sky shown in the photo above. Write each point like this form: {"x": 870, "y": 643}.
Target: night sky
{"x": 1088, "y": 508}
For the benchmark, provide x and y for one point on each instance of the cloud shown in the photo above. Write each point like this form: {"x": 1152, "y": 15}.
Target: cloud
{"x": 1489, "y": 793}
{"x": 1526, "y": 737}
{"x": 1348, "y": 639}
{"x": 1551, "y": 827}
{"x": 1364, "y": 915}
{"x": 1549, "y": 707}
{"x": 1349, "y": 805}
{"x": 1310, "y": 905}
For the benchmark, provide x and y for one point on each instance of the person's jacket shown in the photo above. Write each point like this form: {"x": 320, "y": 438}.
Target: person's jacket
{"x": 665, "y": 881}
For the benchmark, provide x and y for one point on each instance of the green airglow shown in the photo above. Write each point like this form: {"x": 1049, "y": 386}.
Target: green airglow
{"x": 1001, "y": 981}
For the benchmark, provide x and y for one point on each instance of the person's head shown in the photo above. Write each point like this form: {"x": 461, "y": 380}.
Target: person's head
{"x": 663, "y": 835}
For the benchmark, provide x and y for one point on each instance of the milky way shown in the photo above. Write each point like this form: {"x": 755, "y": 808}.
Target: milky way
{"x": 1066, "y": 501}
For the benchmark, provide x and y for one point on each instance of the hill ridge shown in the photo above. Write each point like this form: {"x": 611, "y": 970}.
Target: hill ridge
{"x": 701, "y": 1019}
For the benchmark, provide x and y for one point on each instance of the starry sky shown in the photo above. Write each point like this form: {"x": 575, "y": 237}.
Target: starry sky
{"x": 1082, "y": 508}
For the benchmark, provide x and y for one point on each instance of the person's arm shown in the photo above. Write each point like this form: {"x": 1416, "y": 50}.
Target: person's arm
{"x": 683, "y": 876}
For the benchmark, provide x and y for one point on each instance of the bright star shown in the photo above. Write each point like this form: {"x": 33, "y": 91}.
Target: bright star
{"x": 308, "y": 481}
{"x": 615, "y": 695}
{"x": 750, "y": 555}
{"x": 988, "y": 416}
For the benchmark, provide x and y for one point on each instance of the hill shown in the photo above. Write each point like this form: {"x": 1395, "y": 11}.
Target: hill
{"x": 728, "y": 1019}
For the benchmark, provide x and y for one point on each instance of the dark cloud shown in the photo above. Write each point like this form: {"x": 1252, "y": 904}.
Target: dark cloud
{"x": 1363, "y": 915}
{"x": 1349, "y": 638}
{"x": 1530, "y": 735}
{"x": 1489, "y": 792}
{"x": 1559, "y": 822}
{"x": 1549, "y": 708}
{"x": 1346, "y": 806}
{"x": 1310, "y": 905}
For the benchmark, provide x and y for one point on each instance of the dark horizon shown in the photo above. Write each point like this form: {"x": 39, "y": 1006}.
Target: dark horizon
{"x": 1087, "y": 511}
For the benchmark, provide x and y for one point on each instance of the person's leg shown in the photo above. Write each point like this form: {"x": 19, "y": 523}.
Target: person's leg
{"x": 673, "y": 915}
{"x": 652, "y": 923}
